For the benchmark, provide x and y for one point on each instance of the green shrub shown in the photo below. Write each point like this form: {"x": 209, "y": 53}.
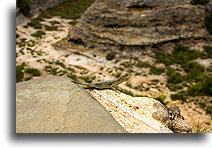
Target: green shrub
{"x": 50, "y": 28}
{"x": 73, "y": 22}
{"x": 179, "y": 96}
{"x": 68, "y": 9}
{"x": 54, "y": 22}
{"x": 189, "y": 66}
{"x": 33, "y": 71}
{"x": 201, "y": 88}
{"x": 174, "y": 87}
{"x": 164, "y": 58}
{"x": 142, "y": 64}
{"x": 156, "y": 71}
{"x": 173, "y": 76}
{"x": 35, "y": 23}
{"x": 19, "y": 72}
{"x": 72, "y": 76}
{"x": 195, "y": 75}
{"x": 182, "y": 54}
{"x": 38, "y": 34}
{"x": 127, "y": 92}
{"x": 161, "y": 98}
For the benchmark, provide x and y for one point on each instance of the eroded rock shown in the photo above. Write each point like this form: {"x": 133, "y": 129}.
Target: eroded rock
{"x": 131, "y": 23}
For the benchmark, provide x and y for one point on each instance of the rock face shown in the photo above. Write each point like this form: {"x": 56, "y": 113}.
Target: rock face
{"x": 136, "y": 23}
{"x": 56, "y": 105}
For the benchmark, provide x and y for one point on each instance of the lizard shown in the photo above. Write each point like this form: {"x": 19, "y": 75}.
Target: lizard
{"x": 170, "y": 117}
{"x": 110, "y": 84}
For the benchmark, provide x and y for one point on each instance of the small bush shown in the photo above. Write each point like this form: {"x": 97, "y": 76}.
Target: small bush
{"x": 173, "y": 76}
{"x": 35, "y": 23}
{"x": 201, "y": 88}
{"x": 50, "y": 28}
{"x": 164, "y": 58}
{"x": 72, "y": 76}
{"x": 189, "y": 66}
{"x": 182, "y": 54}
{"x": 19, "y": 72}
{"x": 54, "y": 22}
{"x": 73, "y": 22}
{"x": 38, "y": 34}
{"x": 179, "y": 96}
{"x": 161, "y": 98}
{"x": 142, "y": 64}
{"x": 156, "y": 71}
{"x": 33, "y": 71}
{"x": 174, "y": 87}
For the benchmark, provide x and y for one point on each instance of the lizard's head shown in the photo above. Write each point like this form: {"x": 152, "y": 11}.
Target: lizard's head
{"x": 124, "y": 77}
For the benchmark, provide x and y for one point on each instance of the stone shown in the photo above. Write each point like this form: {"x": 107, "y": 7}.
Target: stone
{"x": 56, "y": 105}
{"x": 130, "y": 24}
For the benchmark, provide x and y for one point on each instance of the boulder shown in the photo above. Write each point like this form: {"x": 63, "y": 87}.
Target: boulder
{"x": 56, "y": 105}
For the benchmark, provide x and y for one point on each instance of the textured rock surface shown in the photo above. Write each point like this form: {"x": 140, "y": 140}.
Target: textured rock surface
{"x": 133, "y": 23}
{"x": 56, "y": 105}
{"x": 136, "y": 114}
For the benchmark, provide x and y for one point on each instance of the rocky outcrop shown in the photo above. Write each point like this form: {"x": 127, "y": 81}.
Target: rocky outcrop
{"x": 56, "y": 105}
{"x": 137, "y": 23}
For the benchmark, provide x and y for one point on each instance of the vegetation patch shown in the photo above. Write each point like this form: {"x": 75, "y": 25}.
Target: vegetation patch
{"x": 72, "y": 76}
{"x": 50, "y": 28}
{"x": 126, "y": 92}
{"x": 33, "y": 71}
{"x": 196, "y": 81}
{"x": 165, "y": 58}
{"x": 173, "y": 76}
{"x": 35, "y": 23}
{"x": 20, "y": 72}
{"x": 161, "y": 98}
{"x": 69, "y": 9}
{"x": 179, "y": 96}
{"x": 156, "y": 71}
{"x": 142, "y": 64}
{"x": 73, "y": 22}
{"x": 38, "y": 34}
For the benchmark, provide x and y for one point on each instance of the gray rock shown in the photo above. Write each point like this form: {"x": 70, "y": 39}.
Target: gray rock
{"x": 56, "y": 105}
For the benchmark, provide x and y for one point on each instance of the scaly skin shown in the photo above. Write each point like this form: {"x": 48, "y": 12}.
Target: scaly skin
{"x": 110, "y": 84}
